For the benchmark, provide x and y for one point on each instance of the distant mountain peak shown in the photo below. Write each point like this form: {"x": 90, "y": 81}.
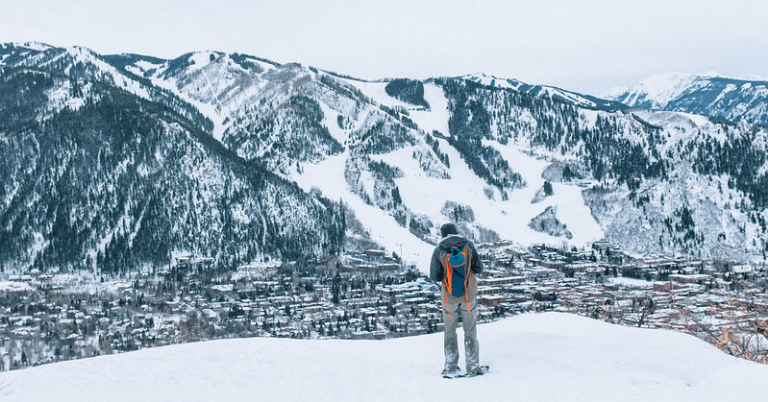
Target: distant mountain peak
{"x": 658, "y": 89}
{"x": 708, "y": 94}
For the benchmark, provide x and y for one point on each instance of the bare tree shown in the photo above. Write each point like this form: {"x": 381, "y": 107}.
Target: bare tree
{"x": 648, "y": 307}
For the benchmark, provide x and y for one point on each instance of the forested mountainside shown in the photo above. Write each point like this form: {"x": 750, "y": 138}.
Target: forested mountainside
{"x": 97, "y": 177}
{"x": 656, "y": 174}
{"x": 118, "y": 162}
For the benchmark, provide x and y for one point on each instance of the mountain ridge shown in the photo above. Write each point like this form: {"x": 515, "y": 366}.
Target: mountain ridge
{"x": 554, "y": 93}
{"x": 612, "y": 171}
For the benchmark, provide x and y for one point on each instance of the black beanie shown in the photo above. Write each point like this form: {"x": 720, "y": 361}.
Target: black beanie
{"x": 448, "y": 229}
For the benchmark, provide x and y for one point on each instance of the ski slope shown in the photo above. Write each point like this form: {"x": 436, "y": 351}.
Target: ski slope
{"x": 535, "y": 357}
{"x": 426, "y": 196}
{"x": 328, "y": 177}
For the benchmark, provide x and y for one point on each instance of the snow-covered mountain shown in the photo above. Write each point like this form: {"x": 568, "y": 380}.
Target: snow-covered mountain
{"x": 534, "y": 357}
{"x": 88, "y": 67}
{"x": 706, "y": 94}
{"x": 237, "y": 158}
{"x": 490, "y": 137}
{"x": 102, "y": 175}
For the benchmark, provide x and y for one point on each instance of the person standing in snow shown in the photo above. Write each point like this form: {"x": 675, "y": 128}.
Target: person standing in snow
{"x": 455, "y": 263}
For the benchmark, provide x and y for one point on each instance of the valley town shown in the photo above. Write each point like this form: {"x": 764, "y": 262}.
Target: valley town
{"x": 49, "y": 317}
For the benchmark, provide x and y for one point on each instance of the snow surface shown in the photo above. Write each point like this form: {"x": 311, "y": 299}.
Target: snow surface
{"x": 436, "y": 118}
{"x": 533, "y": 357}
{"x": 199, "y": 60}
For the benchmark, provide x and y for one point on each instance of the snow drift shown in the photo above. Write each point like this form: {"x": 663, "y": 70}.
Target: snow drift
{"x": 534, "y": 357}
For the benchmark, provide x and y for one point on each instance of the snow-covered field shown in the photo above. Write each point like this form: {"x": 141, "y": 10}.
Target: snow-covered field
{"x": 534, "y": 357}
{"x": 14, "y": 286}
{"x": 633, "y": 283}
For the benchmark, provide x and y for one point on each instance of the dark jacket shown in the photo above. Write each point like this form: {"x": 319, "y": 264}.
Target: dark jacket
{"x": 437, "y": 267}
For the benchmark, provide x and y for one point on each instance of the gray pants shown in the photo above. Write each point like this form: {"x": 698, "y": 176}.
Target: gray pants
{"x": 451, "y": 343}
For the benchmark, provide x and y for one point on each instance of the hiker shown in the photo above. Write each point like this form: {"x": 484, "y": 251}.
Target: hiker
{"x": 455, "y": 263}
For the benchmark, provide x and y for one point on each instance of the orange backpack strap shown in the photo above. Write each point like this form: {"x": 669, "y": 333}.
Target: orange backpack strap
{"x": 468, "y": 269}
{"x": 447, "y": 275}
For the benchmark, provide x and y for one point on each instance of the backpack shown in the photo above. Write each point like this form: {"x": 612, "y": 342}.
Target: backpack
{"x": 456, "y": 270}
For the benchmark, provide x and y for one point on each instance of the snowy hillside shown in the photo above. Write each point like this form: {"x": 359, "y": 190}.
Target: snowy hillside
{"x": 270, "y": 100}
{"x": 544, "y": 357}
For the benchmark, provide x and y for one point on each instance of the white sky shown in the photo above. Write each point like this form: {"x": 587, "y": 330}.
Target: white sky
{"x": 586, "y": 46}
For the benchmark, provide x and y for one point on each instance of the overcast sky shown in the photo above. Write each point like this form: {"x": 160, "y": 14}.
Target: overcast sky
{"x": 588, "y": 46}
